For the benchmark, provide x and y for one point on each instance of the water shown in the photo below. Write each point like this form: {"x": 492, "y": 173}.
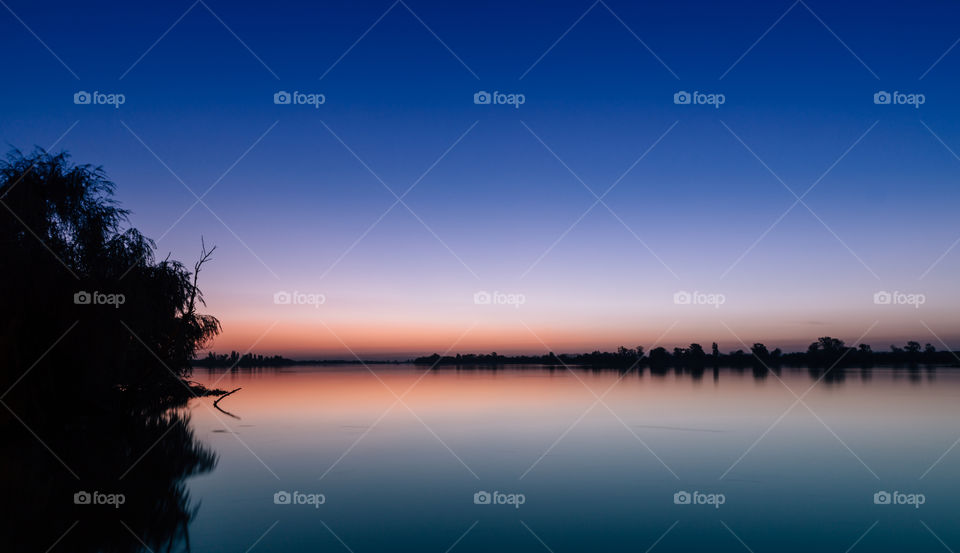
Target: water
{"x": 596, "y": 475}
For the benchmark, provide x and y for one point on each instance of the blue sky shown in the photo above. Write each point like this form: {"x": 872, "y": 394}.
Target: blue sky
{"x": 498, "y": 203}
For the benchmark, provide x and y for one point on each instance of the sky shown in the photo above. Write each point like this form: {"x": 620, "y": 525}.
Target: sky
{"x": 588, "y": 215}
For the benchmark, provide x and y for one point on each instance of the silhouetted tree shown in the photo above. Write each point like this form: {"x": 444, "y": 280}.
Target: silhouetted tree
{"x": 864, "y": 355}
{"x": 96, "y": 339}
{"x": 760, "y": 352}
{"x": 65, "y": 247}
{"x": 696, "y": 357}
{"x": 826, "y": 351}
{"x": 659, "y": 358}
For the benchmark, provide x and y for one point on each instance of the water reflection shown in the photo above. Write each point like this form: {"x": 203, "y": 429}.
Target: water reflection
{"x": 595, "y": 477}
{"x": 100, "y": 481}
{"x": 319, "y": 429}
{"x": 823, "y": 374}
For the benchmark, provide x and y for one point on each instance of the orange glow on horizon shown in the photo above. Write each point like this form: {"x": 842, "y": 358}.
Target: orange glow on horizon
{"x": 398, "y": 341}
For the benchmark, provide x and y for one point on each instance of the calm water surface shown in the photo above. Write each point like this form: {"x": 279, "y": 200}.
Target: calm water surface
{"x": 602, "y": 460}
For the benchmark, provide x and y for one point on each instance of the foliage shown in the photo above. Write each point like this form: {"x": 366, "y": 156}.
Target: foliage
{"x": 63, "y": 239}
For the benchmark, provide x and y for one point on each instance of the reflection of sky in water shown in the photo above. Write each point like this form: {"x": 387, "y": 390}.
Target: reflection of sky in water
{"x": 599, "y": 487}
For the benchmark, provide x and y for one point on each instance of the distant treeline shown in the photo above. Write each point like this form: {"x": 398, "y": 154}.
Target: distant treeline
{"x": 825, "y": 352}
{"x": 234, "y": 359}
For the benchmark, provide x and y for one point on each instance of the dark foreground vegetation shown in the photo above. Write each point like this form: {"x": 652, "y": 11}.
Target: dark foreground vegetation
{"x": 66, "y": 254}
{"x": 825, "y": 352}
{"x": 96, "y": 339}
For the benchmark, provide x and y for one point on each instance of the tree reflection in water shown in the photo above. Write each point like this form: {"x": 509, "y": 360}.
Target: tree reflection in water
{"x": 144, "y": 454}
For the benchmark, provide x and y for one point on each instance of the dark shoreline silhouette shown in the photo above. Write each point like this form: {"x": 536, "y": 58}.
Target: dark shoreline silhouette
{"x": 825, "y": 352}
{"x": 249, "y": 360}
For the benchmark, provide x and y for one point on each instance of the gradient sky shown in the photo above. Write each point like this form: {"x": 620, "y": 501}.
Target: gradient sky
{"x": 292, "y": 208}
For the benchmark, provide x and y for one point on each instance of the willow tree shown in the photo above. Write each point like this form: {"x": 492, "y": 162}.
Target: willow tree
{"x": 86, "y": 309}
